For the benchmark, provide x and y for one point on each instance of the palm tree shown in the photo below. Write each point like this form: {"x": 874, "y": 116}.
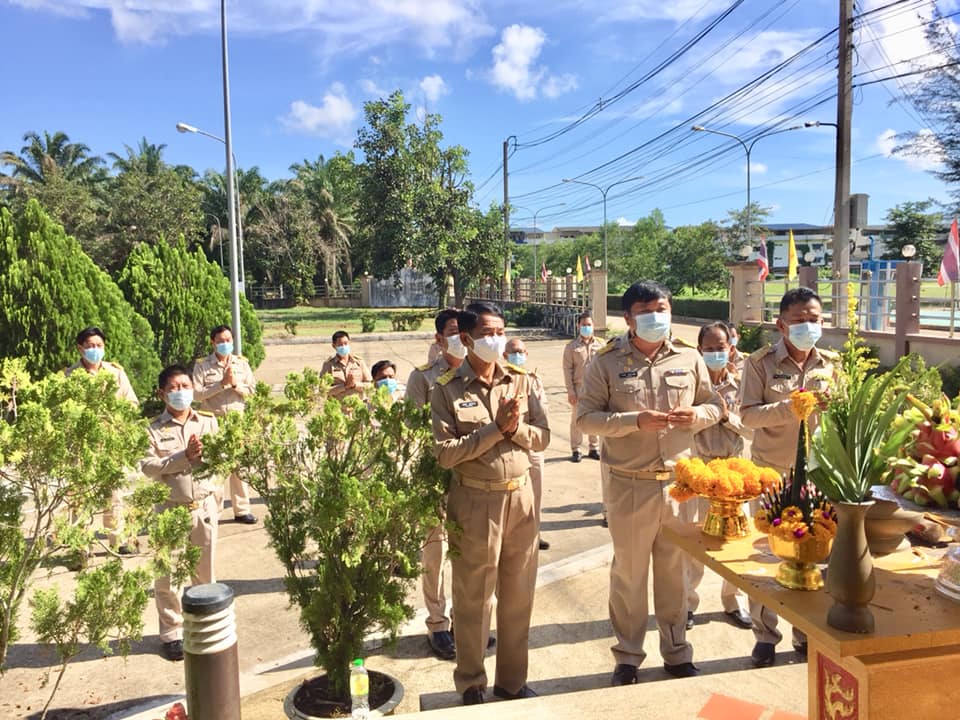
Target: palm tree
{"x": 44, "y": 156}
{"x": 147, "y": 158}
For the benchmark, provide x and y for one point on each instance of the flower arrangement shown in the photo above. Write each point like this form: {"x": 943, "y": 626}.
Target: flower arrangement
{"x": 724, "y": 478}
{"x": 812, "y": 518}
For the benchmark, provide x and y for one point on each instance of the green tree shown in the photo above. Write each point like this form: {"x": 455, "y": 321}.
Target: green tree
{"x": 735, "y": 229}
{"x": 694, "y": 258}
{"x": 65, "y": 445}
{"x": 913, "y": 223}
{"x": 183, "y": 295}
{"x": 49, "y": 155}
{"x": 639, "y": 255}
{"x": 50, "y": 290}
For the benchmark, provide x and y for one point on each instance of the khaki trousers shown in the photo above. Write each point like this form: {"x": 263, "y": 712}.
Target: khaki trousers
{"x": 536, "y": 480}
{"x": 434, "y": 560}
{"x": 239, "y": 495}
{"x": 113, "y": 519}
{"x": 636, "y": 512}
{"x": 204, "y": 535}
{"x": 691, "y": 511}
{"x": 576, "y": 434}
{"x": 495, "y": 553}
{"x": 604, "y": 485}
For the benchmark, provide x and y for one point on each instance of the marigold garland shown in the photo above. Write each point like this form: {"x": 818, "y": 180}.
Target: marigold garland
{"x": 803, "y": 403}
{"x": 724, "y": 478}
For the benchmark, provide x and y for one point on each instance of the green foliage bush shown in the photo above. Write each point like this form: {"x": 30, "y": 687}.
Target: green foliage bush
{"x": 751, "y": 338}
{"x": 183, "y": 295}
{"x": 525, "y": 315}
{"x": 50, "y": 290}
{"x": 368, "y": 321}
{"x": 701, "y": 308}
{"x": 411, "y": 320}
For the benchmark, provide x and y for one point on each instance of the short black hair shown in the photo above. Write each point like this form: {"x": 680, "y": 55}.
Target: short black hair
{"x": 798, "y": 296}
{"x": 219, "y": 329}
{"x": 88, "y": 333}
{"x": 718, "y": 325}
{"x": 585, "y": 315}
{"x": 169, "y": 372}
{"x": 468, "y": 317}
{"x": 339, "y": 334}
{"x": 443, "y": 317}
{"x": 644, "y": 291}
{"x": 380, "y": 366}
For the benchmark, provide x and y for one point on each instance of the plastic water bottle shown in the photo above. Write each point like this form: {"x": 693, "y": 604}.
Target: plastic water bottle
{"x": 359, "y": 691}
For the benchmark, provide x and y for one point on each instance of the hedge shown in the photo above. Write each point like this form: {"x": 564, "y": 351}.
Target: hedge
{"x": 685, "y": 307}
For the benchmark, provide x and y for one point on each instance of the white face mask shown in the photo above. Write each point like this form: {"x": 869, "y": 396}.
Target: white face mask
{"x": 490, "y": 347}
{"x": 653, "y": 327}
{"x": 455, "y": 347}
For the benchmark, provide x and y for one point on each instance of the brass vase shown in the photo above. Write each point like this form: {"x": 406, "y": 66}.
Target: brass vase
{"x": 798, "y": 567}
{"x": 725, "y": 518}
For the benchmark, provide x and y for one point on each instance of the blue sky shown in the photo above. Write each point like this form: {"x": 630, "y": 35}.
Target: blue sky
{"x": 110, "y": 71}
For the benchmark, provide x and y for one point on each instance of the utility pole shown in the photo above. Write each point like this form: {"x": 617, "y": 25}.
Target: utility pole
{"x": 841, "y": 200}
{"x": 506, "y": 216}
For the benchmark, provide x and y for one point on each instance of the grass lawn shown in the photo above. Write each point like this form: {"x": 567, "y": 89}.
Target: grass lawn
{"x": 323, "y": 322}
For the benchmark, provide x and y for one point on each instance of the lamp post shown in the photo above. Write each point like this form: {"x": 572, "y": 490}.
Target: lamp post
{"x": 604, "y": 191}
{"x": 185, "y": 128}
{"x": 748, "y": 148}
{"x": 535, "y": 213}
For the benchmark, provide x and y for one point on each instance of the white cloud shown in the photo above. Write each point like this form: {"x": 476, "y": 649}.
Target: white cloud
{"x": 332, "y": 119}
{"x": 895, "y": 39}
{"x": 370, "y": 87}
{"x": 922, "y": 153}
{"x": 356, "y": 26}
{"x": 515, "y": 70}
{"x": 677, "y": 10}
{"x": 758, "y": 168}
{"x": 623, "y": 222}
{"x": 433, "y": 88}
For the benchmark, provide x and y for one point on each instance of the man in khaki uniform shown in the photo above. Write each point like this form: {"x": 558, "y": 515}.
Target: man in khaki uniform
{"x": 222, "y": 382}
{"x": 577, "y": 355}
{"x": 769, "y": 376}
{"x": 485, "y": 423}
{"x": 646, "y": 397}
{"x": 516, "y": 355}
{"x": 419, "y": 386}
{"x": 91, "y": 343}
{"x": 175, "y": 448}
{"x": 350, "y": 373}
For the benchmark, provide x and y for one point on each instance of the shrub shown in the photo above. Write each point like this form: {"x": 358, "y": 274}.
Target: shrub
{"x": 525, "y": 315}
{"x": 410, "y": 320}
{"x": 368, "y": 321}
{"x": 291, "y": 326}
{"x": 50, "y": 290}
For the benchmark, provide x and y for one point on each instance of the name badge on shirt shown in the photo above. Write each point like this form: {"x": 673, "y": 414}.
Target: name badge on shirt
{"x": 628, "y": 374}
{"x": 781, "y": 376}
{"x": 675, "y": 372}
{"x": 468, "y": 404}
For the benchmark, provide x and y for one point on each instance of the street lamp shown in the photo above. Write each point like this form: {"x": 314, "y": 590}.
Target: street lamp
{"x": 604, "y": 193}
{"x": 535, "y": 213}
{"x": 185, "y": 128}
{"x": 748, "y": 147}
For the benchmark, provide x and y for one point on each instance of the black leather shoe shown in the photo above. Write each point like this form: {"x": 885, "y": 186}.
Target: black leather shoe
{"x": 491, "y": 642}
{"x": 764, "y": 654}
{"x": 800, "y": 648}
{"x": 690, "y": 622}
{"x": 576, "y": 456}
{"x": 594, "y": 454}
{"x": 740, "y": 618}
{"x": 624, "y": 674}
{"x": 543, "y": 544}
{"x": 172, "y": 651}
{"x": 442, "y": 644}
{"x": 683, "y": 670}
{"x": 604, "y": 523}
{"x": 246, "y": 519}
{"x": 473, "y": 696}
{"x": 521, "y": 694}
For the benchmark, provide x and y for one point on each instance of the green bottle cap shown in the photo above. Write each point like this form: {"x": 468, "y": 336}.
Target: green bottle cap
{"x": 358, "y": 662}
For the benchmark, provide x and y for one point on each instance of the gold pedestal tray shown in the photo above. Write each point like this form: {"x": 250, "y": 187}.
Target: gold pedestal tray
{"x": 725, "y": 518}
{"x": 798, "y": 569}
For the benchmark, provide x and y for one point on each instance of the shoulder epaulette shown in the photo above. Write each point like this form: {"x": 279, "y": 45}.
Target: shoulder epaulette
{"x": 829, "y": 354}
{"x": 200, "y": 358}
{"x": 154, "y": 419}
{"x": 681, "y": 341}
{"x": 205, "y": 412}
{"x": 611, "y": 345}
{"x": 424, "y": 367}
{"x": 762, "y": 352}
{"x": 242, "y": 357}
{"x": 447, "y": 376}
{"x": 515, "y": 368}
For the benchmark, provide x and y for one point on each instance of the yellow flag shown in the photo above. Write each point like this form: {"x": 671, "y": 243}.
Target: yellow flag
{"x": 791, "y": 258}
{"x": 579, "y": 270}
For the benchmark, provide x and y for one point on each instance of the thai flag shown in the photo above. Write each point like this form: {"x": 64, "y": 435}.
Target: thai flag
{"x": 950, "y": 265}
{"x": 762, "y": 261}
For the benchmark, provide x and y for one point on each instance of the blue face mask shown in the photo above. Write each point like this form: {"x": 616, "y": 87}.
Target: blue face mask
{"x": 586, "y": 330}
{"x": 342, "y": 350}
{"x": 716, "y": 360}
{"x": 804, "y": 336}
{"x": 653, "y": 327}
{"x": 225, "y": 348}
{"x": 180, "y": 399}
{"x": 517, "y": 358}
{"x": 93, "y": 355}
{"x": 389, "y": 383}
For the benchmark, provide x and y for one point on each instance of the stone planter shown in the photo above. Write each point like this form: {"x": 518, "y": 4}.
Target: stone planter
{"x": 850, "y": 578}
{"x": 387, "y": 708}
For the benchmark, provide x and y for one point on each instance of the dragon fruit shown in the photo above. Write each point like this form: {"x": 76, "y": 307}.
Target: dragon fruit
{"x": 927, "y": 469}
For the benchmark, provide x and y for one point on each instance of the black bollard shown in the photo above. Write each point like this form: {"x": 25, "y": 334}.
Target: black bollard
{"x": 210, "y": 653}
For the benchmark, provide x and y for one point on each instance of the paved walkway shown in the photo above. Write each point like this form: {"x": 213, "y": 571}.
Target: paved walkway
{"x": 570, "y": 634}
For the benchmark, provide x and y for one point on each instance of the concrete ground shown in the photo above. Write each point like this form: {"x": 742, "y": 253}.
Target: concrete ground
{"x": 570, "y": 633}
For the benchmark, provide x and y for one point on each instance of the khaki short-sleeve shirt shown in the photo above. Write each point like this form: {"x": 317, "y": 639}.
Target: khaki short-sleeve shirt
{"x": 124, "y": 388}
{"x": 725, "y": 439}
{"x": 167, "y": 458}
{"x": 422, "y": 379}
{"x": 577, "y": 355}
{"x": 621, "y": 382}
{"x": 340, "y": 368}
{"x": 208, "y": 383}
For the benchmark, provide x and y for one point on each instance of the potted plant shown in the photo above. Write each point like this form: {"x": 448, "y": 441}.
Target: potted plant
{"x": 350, "y": 486}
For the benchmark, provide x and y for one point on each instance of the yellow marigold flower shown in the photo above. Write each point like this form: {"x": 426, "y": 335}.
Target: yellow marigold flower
{"x": 681, "y": 493}
{"x": 803, "y": 403}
